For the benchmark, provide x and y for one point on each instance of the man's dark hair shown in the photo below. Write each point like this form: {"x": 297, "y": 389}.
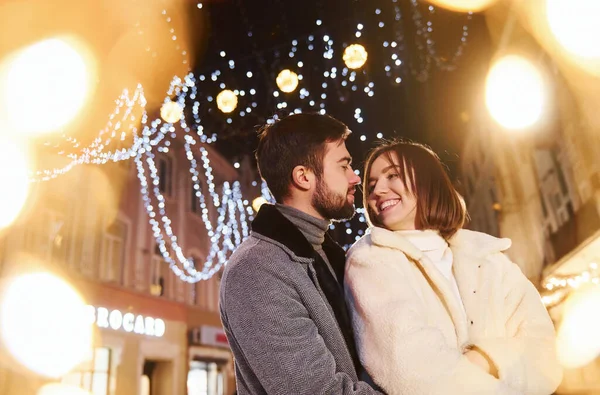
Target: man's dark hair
{"x": 296, "y": 140}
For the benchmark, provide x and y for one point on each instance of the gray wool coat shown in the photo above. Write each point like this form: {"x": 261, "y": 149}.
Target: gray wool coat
{"x": 285, "y": 324}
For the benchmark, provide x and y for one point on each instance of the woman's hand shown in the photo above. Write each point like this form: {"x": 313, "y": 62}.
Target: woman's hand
{"x": 480, "y": 359}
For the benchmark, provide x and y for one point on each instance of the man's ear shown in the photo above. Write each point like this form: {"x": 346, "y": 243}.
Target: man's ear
{"x": 303, "y": 178}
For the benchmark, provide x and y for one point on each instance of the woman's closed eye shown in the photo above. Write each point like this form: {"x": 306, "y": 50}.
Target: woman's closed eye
{"x": 392, "y": 176}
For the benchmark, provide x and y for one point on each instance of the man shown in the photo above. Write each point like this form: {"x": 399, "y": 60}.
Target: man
{"x": 281, "y": 298}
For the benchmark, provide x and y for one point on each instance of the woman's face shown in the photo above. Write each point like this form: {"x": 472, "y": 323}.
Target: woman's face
{"x": 389, "y": 199}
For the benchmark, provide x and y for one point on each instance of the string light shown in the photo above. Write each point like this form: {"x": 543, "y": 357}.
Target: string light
{"x": 171, "y": 112}
{"x": 558, "y": 287}
{"x": 287, "y": 81}
{"x": 227, "y": 101}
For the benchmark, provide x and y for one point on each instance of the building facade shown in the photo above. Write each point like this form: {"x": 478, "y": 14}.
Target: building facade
{"x": 548, "y": 186}
{"x": 154, "y": 333}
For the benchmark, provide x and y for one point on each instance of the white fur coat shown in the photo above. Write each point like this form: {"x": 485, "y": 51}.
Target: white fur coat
{"x": 411, "y": 332}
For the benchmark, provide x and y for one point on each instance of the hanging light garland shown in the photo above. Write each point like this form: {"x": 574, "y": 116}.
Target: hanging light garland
{"x": 287, "y": 81}
{"x": 227, "y": 101}
{"x": 355, "y": 56}
{"x": 558, "y": 287}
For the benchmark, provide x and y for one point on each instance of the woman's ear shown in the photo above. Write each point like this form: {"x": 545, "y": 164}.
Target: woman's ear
{"x": 302, "y": 178}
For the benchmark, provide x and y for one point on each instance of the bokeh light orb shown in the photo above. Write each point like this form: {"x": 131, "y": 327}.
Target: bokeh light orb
{"x": 578, "y": 342}
{"x": 44, "y": 86}
{"x": 227, "y": 101}
{"x": 171, "y": 112}
{"x": 575, "y": 25}
{"x": 14, "y": 173}
{"x": 355, "y": 56}
{"x": 43, "y": 324}
{"x": 258, "y": 202}
{"x": 515, "y": 92}
{"x": 287, "y": 81}
{"x": 463, "y": 5}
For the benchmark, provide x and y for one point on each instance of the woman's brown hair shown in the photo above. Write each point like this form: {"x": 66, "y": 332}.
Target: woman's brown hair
{"x": 439, "y": 206}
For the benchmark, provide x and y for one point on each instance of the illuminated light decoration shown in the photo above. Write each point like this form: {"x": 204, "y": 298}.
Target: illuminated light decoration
{"x": 355, "y": 56}
{"x": 577, "y": 342}
{"x": 574, "y": 24}
{"x": 463, "y": 5}
{"x": 171, "y": 112}
{"x": 287, "y": 81}
{"x": 227, "y": 101}
{"x": 41, "y": 302}
{"x": 30, "y": 84}
{"x": 515, "y": 93}
{"x": 258, "y": 202}
{"x": 558, "y": 287}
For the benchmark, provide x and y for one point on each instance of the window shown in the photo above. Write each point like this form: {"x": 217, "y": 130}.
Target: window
{"x": 45, "y": 236}
{"x": 205, "y": 378}
{"x": 159, "y": 274}
{"x": 93, "y": 374}
{"x": 113, "y": 252}
{"x": 165, "y": 173}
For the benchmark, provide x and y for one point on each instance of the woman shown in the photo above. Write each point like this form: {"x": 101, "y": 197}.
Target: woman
{"x": 437, "y": 309}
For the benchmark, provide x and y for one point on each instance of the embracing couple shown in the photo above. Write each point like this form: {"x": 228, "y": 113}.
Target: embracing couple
{"x": 417, "y": 306}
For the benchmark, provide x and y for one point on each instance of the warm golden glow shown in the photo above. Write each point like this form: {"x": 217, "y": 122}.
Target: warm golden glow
{"x": 227, "y": 101}
{"x": 575, "y": 25}
{"x": 287, "y": 81}
{"x": 515, "y": 93}
{"x": 44, "y": 325}
{"x": 43, "y": 87}
{"x": 61, "y": 389}
{"x": 463, "y": 5}
{"x": 355, "y": 56}
{"x": 171, "y": 112}
{"x": 258, "y": 202}
{"x": 13, "y": 175}
{"x": 578, "y": 339}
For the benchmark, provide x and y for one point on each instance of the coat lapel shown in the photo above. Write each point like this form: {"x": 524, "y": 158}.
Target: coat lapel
{"x": 270, "y": 223}
{"x": 436, "y": 279}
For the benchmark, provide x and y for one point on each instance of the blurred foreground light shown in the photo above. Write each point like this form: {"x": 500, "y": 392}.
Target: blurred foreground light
{"x": 61, "y": 389}
{"x": 44, "y": 325}
{"x": 463, "y": 5}
{"x": 13, "y": 174}
{"x": 575, "y": 25}
{"x": 287, "y": 81}
{"x": 43, "y": 87}
{"x": 515, "y": 92}
{"x": 171, "y": 112}
{"x": 355, "y": 56}
{"x": 578, "y": 339}
{"x": 258, "y": 202}
{"x": 227, "y": 101}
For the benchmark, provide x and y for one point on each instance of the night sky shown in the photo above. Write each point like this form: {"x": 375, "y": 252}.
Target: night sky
{"x": 426, "y": 110}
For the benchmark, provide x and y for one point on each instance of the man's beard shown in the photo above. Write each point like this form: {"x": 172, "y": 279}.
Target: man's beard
{"x": 332, "y": 205}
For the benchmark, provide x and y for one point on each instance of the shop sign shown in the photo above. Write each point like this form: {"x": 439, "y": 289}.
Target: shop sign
{"x": 209, "y": 336}
{"x": 128, "y": 322}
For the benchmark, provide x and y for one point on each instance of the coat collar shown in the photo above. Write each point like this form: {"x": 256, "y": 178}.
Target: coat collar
{"x": 270, "y": 223}
{"x": 476, "y": 243}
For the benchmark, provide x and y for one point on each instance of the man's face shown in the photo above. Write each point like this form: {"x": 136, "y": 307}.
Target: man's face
{"x": 334, "y": 195}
